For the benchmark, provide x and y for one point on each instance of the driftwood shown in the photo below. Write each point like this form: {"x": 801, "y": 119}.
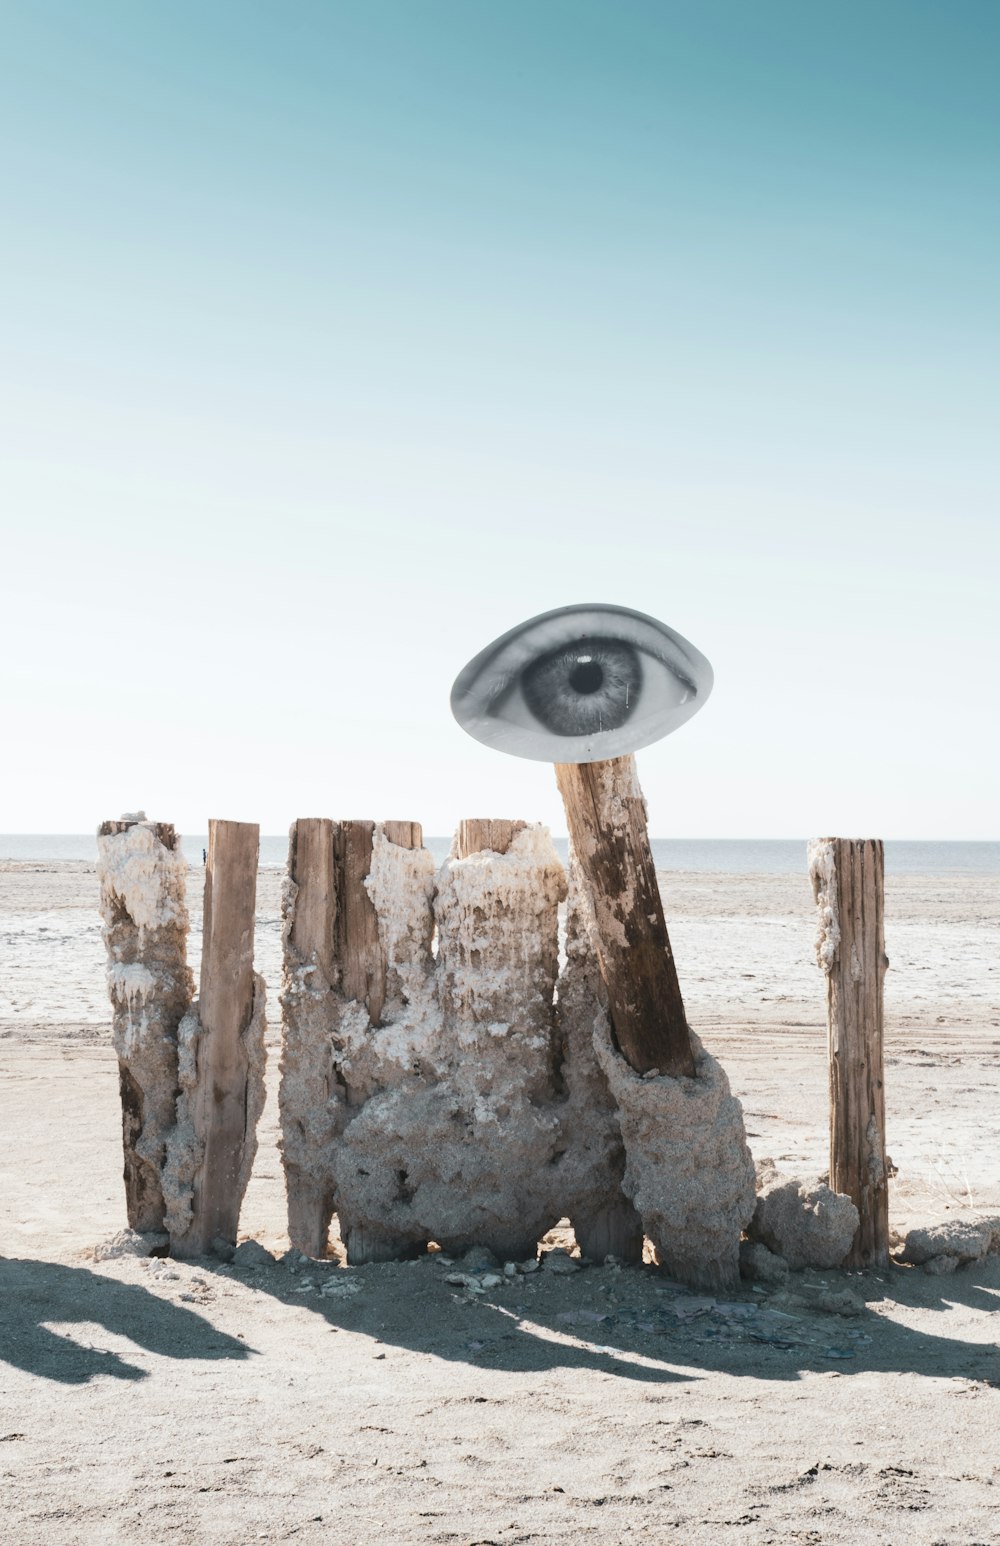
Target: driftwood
{"x": 847, "y": 876}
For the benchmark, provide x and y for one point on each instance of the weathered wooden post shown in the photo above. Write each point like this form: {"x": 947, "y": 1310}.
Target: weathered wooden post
{"x": 306, "y": 1094}
{"x": 848, "y": 883}
{"x": 226, "y": 1095}
{"x": 142, "y": 876}
{"x": 606, "y": 815}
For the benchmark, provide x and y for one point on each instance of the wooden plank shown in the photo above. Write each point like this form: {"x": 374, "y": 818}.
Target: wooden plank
{"x": 225, "y": 1007}
{"x": 849, "y": 885}
{"x": 606, "y": 815}
{"x": 482, "y": 834}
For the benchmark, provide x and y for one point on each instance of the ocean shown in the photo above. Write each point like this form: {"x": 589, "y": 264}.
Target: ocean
{"x": 728, "y": 856}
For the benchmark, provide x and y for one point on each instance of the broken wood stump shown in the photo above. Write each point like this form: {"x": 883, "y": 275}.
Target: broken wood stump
{"x": 848, "y": 883}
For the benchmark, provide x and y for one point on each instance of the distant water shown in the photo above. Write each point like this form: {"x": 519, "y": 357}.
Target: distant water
{"x": 733, "y": 856}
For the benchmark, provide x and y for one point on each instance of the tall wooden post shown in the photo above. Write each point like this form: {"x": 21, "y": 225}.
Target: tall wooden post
{"x": 848, "y": 884}
{"x": 606, "y": 815}
{"x": 225, "y": 1008}
{"x": 142, "y": 874}
{"x": 307, "y": 1076}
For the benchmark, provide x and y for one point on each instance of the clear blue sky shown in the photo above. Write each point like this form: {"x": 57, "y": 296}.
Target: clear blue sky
{"x": 335, "y": 339}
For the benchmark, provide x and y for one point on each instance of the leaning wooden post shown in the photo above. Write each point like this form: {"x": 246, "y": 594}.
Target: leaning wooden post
{"x": 847, "y": 878}
{"x": 228, "y": 1084}
{"x": 606, "y": 814}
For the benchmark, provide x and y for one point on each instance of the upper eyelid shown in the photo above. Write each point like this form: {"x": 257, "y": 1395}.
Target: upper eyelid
{"x": 509, "y": 662}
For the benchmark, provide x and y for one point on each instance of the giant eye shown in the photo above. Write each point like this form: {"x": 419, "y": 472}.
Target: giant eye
{"x": 581, "y": 684}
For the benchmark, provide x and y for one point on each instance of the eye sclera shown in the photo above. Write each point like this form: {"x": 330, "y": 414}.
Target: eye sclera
{"x": 488, "y": 684}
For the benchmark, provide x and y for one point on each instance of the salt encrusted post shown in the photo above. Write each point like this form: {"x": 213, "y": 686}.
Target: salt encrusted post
{"x": 363, "y": 962}
{"x": 142, "y": 872}
{"x": 848, "y": 883}
{"x": 307, "y": 1098}
{"x": 688, "y": 1170}
{"x": 606, "y": 814}
{"x": 485, "y": 835}
{"x": 223, "y": 1091}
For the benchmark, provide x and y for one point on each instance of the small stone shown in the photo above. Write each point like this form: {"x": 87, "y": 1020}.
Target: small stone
{"x": 478, "y": 1259}
{"x": 967, "y": 1239}
{"x": 805, "y": 1222}
{"x": 510, "y": 1269}
{"x": 340, "y": 1287}
{"x": 836, "y": 1302}
{"x": 490, "y": 1280}
{"x": 531, "y": 1265}
{"x": 759, "y": 1265}
{"x": 292, "y": 1259}
{"x": 559, "y": 1261}
{"x": 941, "y": 1266}
{"x": 223, "y": 1250}
{"x": 251, "y": 1255}
{"x": 130, "y": 1242}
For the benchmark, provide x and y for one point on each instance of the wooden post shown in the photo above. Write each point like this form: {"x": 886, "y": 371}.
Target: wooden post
{"x": 847, "y": 877}
{"x": 480, "y": 834}
{"x": 306, "y": 1057}
{"x": 606, "y": 815}
{"x": 363, "y": 969}
{"x": 225, "y": 1007}
{"x": 359, "y": 949}
{"x": 151, "y": 990}
{"x": 312, "y": 868}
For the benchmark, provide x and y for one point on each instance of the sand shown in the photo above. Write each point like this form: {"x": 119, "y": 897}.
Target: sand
{"x": 152, "y": 1401}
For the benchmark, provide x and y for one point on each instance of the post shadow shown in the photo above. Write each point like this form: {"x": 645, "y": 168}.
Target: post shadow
{"x": 33, "y": 1292}
{"x": 410, "y": 1306}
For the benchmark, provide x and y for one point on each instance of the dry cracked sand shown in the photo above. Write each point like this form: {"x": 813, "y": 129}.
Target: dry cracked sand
{"x": 145, "y": 1400}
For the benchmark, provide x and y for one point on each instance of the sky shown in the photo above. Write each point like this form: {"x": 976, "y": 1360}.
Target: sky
{"x": 337, "y": 339}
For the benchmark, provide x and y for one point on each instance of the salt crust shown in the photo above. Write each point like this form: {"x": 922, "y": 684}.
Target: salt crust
{"x": 687, "y": 1169}
{"x": 822, "y": 873}
{"x": 137, "y": 872}
{"x": 453, "y": 1120}
{"x": 804, "y": 1221}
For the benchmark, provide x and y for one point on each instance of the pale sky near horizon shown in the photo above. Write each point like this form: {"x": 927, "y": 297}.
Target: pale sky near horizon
{"x": 336, "y": 339}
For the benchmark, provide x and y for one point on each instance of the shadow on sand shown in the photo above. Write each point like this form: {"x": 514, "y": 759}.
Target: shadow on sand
{"x": 634, "y": 1323}
{"x": 34, "y": 1293}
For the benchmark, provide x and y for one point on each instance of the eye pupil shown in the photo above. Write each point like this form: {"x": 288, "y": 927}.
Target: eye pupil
{"x": 586, "y": 676}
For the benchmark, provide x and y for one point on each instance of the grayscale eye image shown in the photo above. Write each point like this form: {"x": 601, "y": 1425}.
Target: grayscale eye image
{"x": 581, "y": 684}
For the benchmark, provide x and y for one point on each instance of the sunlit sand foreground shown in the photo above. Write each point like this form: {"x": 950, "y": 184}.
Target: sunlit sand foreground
{"x": 159, "y": 1401}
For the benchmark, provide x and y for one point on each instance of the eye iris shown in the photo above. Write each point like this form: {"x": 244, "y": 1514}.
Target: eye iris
{"x": 584, "y": 688}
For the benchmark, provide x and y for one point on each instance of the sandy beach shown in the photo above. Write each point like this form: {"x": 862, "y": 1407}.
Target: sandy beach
{"x": 151, "y": 1400}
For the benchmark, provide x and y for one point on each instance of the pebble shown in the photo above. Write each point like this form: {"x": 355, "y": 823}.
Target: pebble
{"x": 558, "y": 1261}
{"x": 251, "y": 1254}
